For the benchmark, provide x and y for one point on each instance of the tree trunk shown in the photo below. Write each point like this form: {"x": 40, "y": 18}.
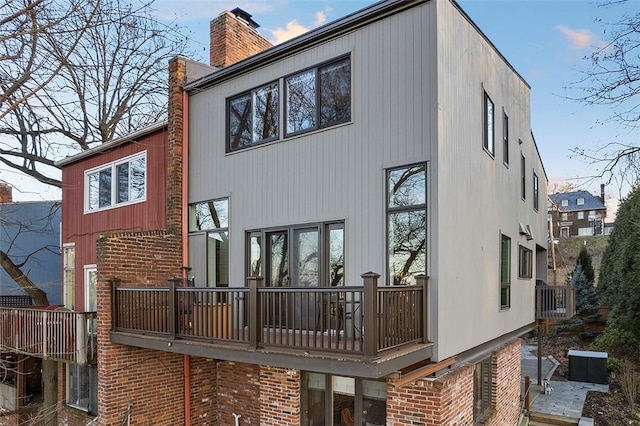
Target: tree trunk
{"x": 50, "y": 392}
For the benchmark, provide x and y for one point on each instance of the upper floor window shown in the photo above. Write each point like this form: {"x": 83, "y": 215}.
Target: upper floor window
{"x": 406, "y": 223}
{"x": 505, "y": 136}
{"x": 536, "y": 192}
{"x": 564, "y": 216}
{"x": 565, "y": 203}
{"x": 489, "y": 143}
{"x": 580, "y": 201}
{"x": 253, "y": 117}
{"x": 525, "y": 262}
{"x": 209, "y": 215}
{"x": 121, "y": 182}
{"x": 580, "y": 215}
{"x": 318, "y": 97}
{"x": 523, "y": 177}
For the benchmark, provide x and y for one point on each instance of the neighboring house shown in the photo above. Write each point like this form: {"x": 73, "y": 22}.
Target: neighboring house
{"x": 30, "y": 234}
{"x": 577, "y": 213}
{"x": 295, "y": 257}
{"x": 30, "y": 237}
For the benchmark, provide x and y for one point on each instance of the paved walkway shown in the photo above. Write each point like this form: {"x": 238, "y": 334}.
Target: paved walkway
{"x": 566, "y": 397}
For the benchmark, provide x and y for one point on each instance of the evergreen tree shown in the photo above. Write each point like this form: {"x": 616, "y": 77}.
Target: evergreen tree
{"x": 587, "y": 300}
{"x": 619, "y": 283}
{"x": 585, "y": 260}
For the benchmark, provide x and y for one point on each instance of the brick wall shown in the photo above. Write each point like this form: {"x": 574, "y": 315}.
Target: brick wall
{"x": 446, "y": 400}
{"x": 6, "y": 193}
{"x": 151, "y": 381}
{"x": 232, "y": 40}
{"x": 507, "y": 378}
{"x": 204, "y": 399}
{"x": 238, "y": 392}
{"x": 279, "y": 396}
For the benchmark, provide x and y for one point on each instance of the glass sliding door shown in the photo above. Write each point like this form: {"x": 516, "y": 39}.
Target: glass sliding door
{"x": 306, "y": 249}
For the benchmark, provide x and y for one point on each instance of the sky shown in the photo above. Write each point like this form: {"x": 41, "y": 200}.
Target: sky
{"x": 545, "y": 41}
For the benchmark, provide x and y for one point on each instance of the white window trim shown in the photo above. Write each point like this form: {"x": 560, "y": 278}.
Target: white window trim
{"x": 68, "y": 295}
{"x": 112, "y": 166}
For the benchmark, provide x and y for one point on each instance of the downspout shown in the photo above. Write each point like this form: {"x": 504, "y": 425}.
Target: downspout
{"x": 185, "y": 252}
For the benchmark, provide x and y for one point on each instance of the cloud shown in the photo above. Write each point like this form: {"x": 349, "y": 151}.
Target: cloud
{"x": 579, "y": 39}
{"x": 292, "y": 30}
{"x": 321, "y": 18}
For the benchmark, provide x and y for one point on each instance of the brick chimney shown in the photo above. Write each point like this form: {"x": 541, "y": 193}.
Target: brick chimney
{"x": 602, "y": 193}
{"x": 6, "y": 193}
{"x": 234, "y": 37}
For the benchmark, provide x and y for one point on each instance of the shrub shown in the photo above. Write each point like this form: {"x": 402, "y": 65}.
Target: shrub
{"x": 617, "y": 342}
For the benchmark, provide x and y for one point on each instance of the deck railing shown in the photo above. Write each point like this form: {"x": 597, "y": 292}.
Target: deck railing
{"x": 49, "y": 334}
{"x": 555, "y": 302}
{"x": 364, "y": 320}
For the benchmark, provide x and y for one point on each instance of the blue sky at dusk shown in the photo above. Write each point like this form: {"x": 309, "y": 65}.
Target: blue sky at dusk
{"x": 545, "y": 41}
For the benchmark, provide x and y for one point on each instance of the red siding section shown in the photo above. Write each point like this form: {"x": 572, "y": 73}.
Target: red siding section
{"x": 84, "y": 229}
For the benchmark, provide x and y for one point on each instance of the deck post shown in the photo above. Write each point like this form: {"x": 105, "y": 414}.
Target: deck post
{"x": 370, "y": 313}
{"x": 81, "y": 338}
{"x": 422, "y": 281}
{"x": 255, "y": 314}
{"x": 114, "y": 282}
{"x": 172, "y": 318}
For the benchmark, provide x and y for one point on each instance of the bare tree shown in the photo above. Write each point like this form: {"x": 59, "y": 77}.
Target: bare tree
{"x": 75, "y": 74}
{"x": 613, "y": 79}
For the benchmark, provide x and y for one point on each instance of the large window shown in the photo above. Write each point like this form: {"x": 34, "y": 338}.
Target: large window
{"x": 536, "y": 192}
{"x": 505, "y": 137}
{"x": 505, "y": 272}
{"x": 337, "y": 400}
{"x": 482, "y": 390}
{"x": 406, "y": 223}
{"x": 253, "y": 117}
{"x": 525, "y": 262}
{"x": 118, "y": 183}
{"x": 69, "y": 284}
{"x": 82, "y": 387}
{"x": 300, "y": 256}
{"x": 318, "y": 97}
{"x": 212, "y": 217}
{"x": 523, "y": 177}
{"x": 489, "y": 142}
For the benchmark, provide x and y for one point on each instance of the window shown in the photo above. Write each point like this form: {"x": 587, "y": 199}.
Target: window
{"x": 584, "y": 232}
{"x": 564, "y": 203}
{"x": 564, "y": 216}
{"x": 301, "y": 256}
{"x": 525, "y": 259}
{"x": 505, "y": 135}
{"x": 489, "y": 143}
{"x": 406, "y": 223}
{"x": 338, "y": 400}
{"x": 580, "y": 215}
{"x": 482, "y": 389}
{"x": 592, "y": 214}
{"x": 523, "y": 178}
{"x": 118, "y": 183}
{"x": 318, "y": 97}
{"x": 82, "y": 387}
{"x": 90, "y": 296}
{"x": 212, "y": 217}
{"x": 580, "y": 201}
{"x": 69, "y": 265}
{"x": 536, "y": 192}
{"x": 505, "y": 272}
{"x": 253, "y": 117}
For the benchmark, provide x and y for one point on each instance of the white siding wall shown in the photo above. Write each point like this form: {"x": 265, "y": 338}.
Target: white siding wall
{"x": 477, "y": 197}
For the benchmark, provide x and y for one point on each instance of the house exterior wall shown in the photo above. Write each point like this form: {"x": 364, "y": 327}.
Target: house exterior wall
{"x": 401, "y": 115}
{"x": 332, "y": 174}
{"x": 27, "y": 228}
{"x": 476, "y": 195}
{"x": 83, "y": 229}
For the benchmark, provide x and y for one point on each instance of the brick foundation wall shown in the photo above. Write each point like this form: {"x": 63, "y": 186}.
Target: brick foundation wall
{"x": 238, "y": 392}
{"x": 232, "y": 40}
{"x": 279, "y": 396}
{"x": 447, "y": 400}
{"x": 204, "y": 399}
{"x": 152, "y": 381}
{"x": 507, "y": 378}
